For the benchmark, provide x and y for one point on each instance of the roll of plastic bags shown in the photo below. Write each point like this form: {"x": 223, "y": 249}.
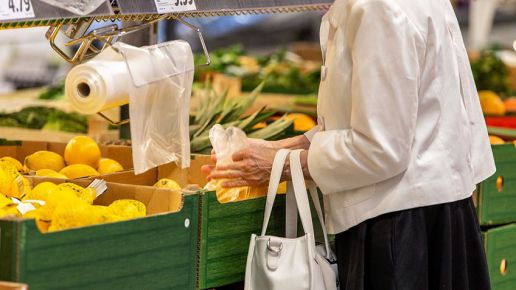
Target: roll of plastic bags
{"x": 157, "y": 81}
{"x": 79, "y": 7}
{"x": 100, "y": 84}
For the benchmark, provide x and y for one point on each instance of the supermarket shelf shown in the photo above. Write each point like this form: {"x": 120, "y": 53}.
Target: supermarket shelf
{"x": 46, "y": 14}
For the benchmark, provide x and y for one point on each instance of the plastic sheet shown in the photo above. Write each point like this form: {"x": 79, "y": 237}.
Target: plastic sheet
{"x": 79, "y": 7}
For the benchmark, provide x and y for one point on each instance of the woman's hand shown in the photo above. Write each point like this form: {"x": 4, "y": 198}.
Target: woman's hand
{"x": 251, "y": 166}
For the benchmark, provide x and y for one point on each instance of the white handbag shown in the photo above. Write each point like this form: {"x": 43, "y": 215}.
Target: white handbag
{"x": 277, "y": 263}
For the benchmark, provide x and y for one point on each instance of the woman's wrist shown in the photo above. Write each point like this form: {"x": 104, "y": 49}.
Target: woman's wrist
{"x": 286, "y": 175}
{"x": 298, "y": 142}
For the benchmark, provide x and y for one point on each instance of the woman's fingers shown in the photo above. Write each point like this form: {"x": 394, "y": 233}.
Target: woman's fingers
{"x": 225, "y": 174}
{"x": 239, "y": 165}
{"x": 235, "y": 183}
{"x": 207, "y": 168}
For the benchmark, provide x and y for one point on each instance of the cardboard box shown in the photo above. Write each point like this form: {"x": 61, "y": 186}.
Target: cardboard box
{"x": 122, "y": 154}
{"x": 155, "y": 252}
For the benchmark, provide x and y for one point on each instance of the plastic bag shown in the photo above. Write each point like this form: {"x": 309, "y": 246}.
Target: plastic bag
{"x": 79, "y": 7}
{"x": 159, "y": 102}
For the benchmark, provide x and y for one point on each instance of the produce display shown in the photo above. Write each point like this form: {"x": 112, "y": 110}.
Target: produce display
{"x": 218, "y": 109}
{"x": 491, "y": 73}
{"x": 280, "y": 73}
{"x": 82, "y": 158}
{"x": 45, "y": 118}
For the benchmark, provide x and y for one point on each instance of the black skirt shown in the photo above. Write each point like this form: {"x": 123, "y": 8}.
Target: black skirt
{"x": 430, "y": 248}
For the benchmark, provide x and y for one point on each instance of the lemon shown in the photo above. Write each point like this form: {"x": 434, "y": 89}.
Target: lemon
{"x": 302, "y": 122}
{"x": 57, "y": 197}
{"x": 41, "y": 191}
{"x": 50, "y": 173}
{"x": 12, "y": 183}
{"x": 17, "y": 164}
{"x": 82, "y": 150}
{"x": 5, "y": 201}
{"x": 78, "y": 171}
{"x": 107, "y": 166}
{"x": 10, "y": 210}
{"x": 103, "y": 214}
{"x": 66, "y": 216}
{"x": 44, "y": 160}
{"x": 128, "y": 208}
{"x": 167, "y": 183}
{"x": 85, "y": 194}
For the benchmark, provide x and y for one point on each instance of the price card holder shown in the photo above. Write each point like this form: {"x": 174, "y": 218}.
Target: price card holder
{"x": 16, "y": 9}
{"x": 156, "y": 6}
{"x": 171, "y": 6}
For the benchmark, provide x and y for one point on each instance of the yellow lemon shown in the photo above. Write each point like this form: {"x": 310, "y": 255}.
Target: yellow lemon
{"x": 41, "y": 191}
{"x": 50, "y": 173}
{"x": 302, "y": 122}
{"x": 167, "y": 183}
{"x": 12, "y": 161}
{"x": 78, "y": 171}
{"x": 12, "y": 183}
{"x": 85, "y": 194}
{"x": 103, "y": 214}
{"x": 8, "y": 211}
{"x": 44, "y": 160}
{"x": 491, "y": 103}
{"x": 57, "y": 197}
{"x": 128, "y": 208}
{"x": 66, "y": 216}
{"x": 82, "y": 150}
{"x": 107, "y": 166}
{"x": 5, "y": 201}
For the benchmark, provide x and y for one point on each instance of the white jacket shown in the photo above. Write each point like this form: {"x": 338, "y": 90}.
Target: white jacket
{"x": 400, "y": 124}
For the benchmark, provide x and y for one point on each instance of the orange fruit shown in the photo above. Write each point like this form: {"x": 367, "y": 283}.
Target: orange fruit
{"x": 495, "y": 140}
{"x": 302, "y": 122}
{"x": 78, "y": 170}
{"x": 491, "y": 103}
{"x": 510, "y": 104}
{"x": 82, "y": 150}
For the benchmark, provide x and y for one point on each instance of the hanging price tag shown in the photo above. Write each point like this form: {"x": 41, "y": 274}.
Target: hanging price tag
{"x": 16, "y": 9}
{"x": 170, "y": 6}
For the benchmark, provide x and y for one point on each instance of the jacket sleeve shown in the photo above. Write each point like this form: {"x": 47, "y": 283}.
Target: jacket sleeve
{"x": 384, "y": 98}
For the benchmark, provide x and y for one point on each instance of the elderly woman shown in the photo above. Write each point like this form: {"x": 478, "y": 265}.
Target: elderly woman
{"x": 400, "y": 145}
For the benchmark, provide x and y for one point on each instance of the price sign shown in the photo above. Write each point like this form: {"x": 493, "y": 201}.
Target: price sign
{"x": 170, "y": 6}
{"x": 16, "y": 9}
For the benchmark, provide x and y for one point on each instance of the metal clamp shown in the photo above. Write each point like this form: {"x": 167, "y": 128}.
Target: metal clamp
{"x": 276, "y": 251}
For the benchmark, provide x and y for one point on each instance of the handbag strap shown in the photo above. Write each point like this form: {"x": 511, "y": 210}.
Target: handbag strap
{"x": 291, "y": 209}
{"x": 299, "y": 190}
{"x": 277, "y": 170}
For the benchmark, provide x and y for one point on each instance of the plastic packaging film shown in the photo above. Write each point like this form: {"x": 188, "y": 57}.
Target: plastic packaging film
{"x": 79, "y": 7}
{"x": 226, "y": 142}
{"x": 157, "y": 82}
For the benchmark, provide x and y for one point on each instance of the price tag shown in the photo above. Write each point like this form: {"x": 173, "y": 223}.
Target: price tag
{"x": 16, "y": 9}
{"x": 170, "y": 6}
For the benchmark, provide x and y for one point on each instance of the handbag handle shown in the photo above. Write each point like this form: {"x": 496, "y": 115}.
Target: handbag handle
{"x": 299, "y": 190}
{"x": 291, "y": 216}
{"x": 277, "y": 170}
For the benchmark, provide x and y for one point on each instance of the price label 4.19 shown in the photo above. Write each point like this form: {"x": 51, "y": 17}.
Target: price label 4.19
{"x": 16, "y": 9}
{"x": 171, "y": 6}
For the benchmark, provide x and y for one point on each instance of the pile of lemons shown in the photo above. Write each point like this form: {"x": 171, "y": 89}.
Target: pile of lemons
{"x": 67, "y": 205}
{"x": 82, "y": 158}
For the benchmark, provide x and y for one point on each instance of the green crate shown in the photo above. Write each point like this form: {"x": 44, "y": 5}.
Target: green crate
{"x": 500, "y": 245}
{"x": 225, "y": 235}
{"x": 226, "y": 232}
{"x": 496, "y": 205}
{"x": 155, "y": 252}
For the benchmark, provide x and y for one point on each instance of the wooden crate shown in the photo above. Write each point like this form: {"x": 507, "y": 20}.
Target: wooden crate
{"x": 155, "y": 252}
{"x": 496, "y": 203}
{"x": 500, "y": 245}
